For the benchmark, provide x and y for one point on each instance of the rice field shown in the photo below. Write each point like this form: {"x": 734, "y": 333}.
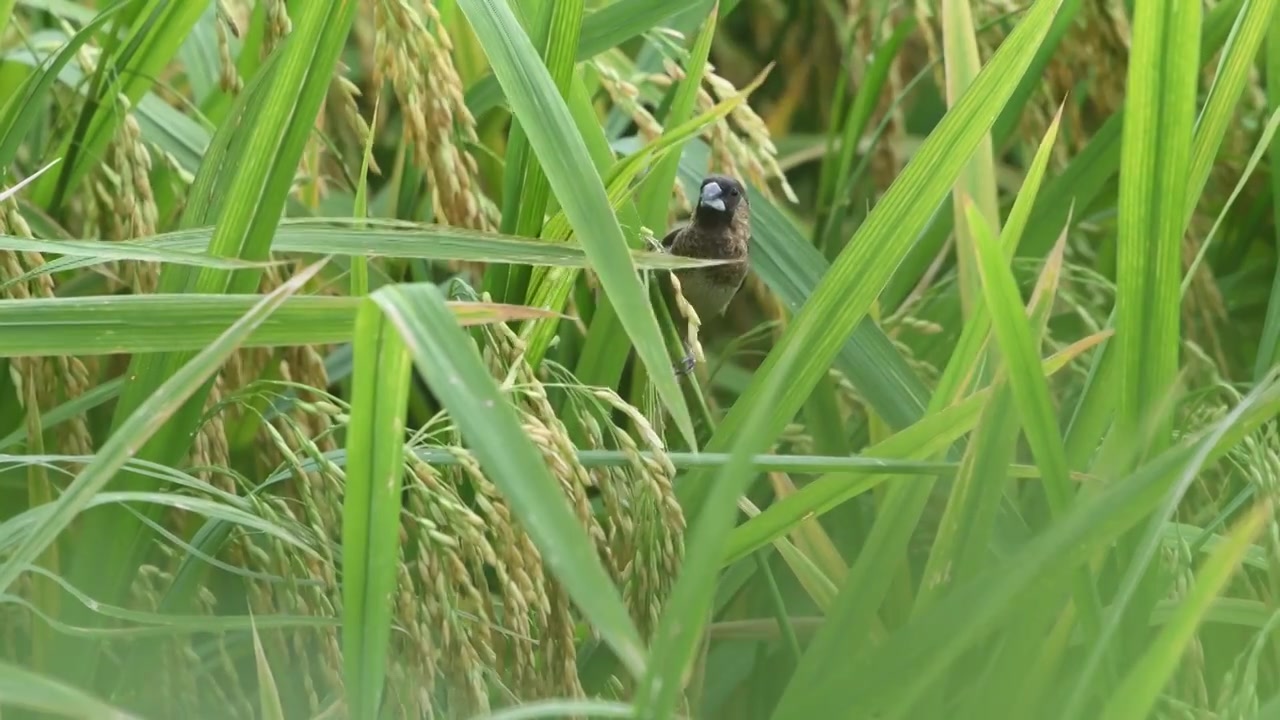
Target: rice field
{"x": 343, "y": 360}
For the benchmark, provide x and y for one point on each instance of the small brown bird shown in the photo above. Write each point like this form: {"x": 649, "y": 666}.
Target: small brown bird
{"x": 720, "y": 230}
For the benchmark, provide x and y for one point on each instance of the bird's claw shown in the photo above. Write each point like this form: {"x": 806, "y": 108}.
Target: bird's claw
{"x": 684, "y": 365}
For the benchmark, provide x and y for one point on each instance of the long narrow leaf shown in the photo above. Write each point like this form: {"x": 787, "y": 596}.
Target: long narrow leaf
{"x": 533, "y": 97}
{"x": 1155, "y": 158}
{"x": 978, "y": 179}
{"x": 341, "y": 237}
{"x": 1138, "y": 693}
{"x": 188, "y": 322}
{"x": 687, "y": 611}
{"x": 1017, "y": 345}
{"x": 846, "y": 293}
{"x": 20, "y": 687}
{"x": 456, "y": 373}
{"x": 371, "y": 505}
{"x": 241, "y": 189}
{"x": 1269, "y": 344}
{"x": 149, "y": 417}
{"x": 889, "y": 677}
{"x": 818, "y": 497}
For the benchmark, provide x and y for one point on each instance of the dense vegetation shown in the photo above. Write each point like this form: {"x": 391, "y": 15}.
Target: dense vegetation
{"x": 339, "y": 375}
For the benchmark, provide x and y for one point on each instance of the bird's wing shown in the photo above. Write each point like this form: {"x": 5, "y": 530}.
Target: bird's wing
{"x": 669, "y": 239}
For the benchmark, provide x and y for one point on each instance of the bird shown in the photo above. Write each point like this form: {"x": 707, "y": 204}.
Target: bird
{"x": 719, "y": 230}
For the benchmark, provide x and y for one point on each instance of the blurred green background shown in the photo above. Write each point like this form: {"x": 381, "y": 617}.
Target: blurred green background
{"x": 338, "y": 354}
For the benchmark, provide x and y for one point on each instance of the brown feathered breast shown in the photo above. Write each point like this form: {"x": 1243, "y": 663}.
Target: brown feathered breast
{"x": 710, "y": 289}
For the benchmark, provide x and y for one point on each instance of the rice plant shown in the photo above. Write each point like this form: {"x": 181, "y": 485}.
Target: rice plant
{"x": 351, "y": 370}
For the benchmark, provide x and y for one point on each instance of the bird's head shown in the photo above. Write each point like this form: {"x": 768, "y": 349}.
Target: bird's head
{"x": 719, "y": 199}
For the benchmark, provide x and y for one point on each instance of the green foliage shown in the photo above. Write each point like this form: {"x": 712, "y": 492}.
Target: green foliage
{"x": 337, "y": 378}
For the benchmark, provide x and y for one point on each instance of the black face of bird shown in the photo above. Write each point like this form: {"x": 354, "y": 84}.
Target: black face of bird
{"x": 718, "y": 199}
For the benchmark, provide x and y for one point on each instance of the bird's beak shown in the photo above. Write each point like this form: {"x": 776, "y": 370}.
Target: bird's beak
{"x": 712, "y": 196}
